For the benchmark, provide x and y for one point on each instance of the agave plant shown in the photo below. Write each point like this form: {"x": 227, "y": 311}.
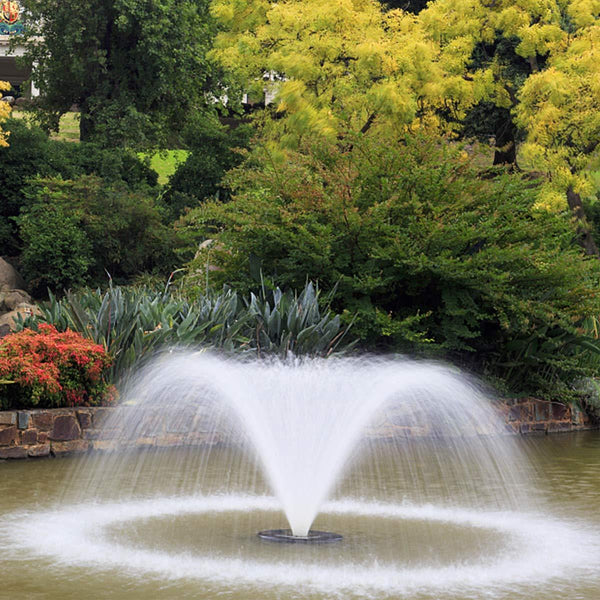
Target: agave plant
{"x": 294, "y": 323}
{"x": 133, "y": 322}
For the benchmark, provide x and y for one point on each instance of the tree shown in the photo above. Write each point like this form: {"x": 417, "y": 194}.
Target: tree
{"x": 542, "y": 65}
{"x": 340, "y": 67}
{"x": 560, "y": 110}
{"x": 423, "y": 254}
{"x": 503, "y": 42}
{"x": 135, "y": 69}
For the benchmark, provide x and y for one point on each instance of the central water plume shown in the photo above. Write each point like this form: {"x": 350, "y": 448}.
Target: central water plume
{"x": 304, "y": 417}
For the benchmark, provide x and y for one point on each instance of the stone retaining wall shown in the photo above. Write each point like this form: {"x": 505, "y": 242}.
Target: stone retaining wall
{"x": 54, "y": 432}
{"x": 45, "y": 432}
{"x": 528, "y": 415}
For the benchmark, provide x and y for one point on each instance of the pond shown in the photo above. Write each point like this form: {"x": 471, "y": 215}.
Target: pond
{"x": 153, "y": 529}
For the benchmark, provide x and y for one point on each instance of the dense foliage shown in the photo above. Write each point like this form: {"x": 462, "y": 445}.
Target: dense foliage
{"x": 77, "y": 232}
{"x": 31, "y": 153}
{"x": 214, "y": 151}
{"x": 131, "y": 323}
{"x": 47, "y": 368}
{"x": 136, "y": 69}
{"x": 428, "y": 256}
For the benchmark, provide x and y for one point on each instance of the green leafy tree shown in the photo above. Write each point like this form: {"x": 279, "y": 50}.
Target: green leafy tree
{"x": 32, "y": 153}
{"x": 135, "y": 69}
{"x": 426, "y": 255}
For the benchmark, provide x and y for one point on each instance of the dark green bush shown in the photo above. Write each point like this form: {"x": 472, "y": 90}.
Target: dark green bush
{"x": 98, "y": 229}
{"x": 31, "y": 153}
{"x": 57, "y": 253}
{"x": 428, "y": 256}
{"x": 214, "y": 151}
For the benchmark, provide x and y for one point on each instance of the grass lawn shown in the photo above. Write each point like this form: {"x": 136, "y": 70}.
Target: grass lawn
{"x": 69, "y": 125}
{"x": 166, "y": 162}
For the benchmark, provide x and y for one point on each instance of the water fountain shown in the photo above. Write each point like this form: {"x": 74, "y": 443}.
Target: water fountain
{"x": 409, "y": 463}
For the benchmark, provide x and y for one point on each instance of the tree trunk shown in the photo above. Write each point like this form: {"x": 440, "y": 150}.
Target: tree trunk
{"x": 586, "y": 239}
{"x": 505, "y": 152}
{"x": 86, "y": 123}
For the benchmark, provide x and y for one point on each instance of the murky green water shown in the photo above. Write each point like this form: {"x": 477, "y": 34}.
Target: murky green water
{"x": 166, "y": 543}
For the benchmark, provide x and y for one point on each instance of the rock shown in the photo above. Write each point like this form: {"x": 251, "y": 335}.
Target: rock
{"x": 559, "y": 427}
{"x": 13, "y": 298}
{"x": 559, "y": 411}
{"x": 65, "y": 428}
{"x": 102, "y": 417}
{"x": 9, "y": 436}
{"x": 60, "y": 448}
{"x": 5, "y": 330}
{"x": 23, "y": 102}
{"x": 8, "y": 418}
{"x": 23, "y": 420}
{"x": 13, "y": 452}
{"x": 43, "y": 420}
{"x": 105, "y": 445}
{"x": 8, "y": 99}
{"x": 9, "y": 278}
{"x": 23, "y": 309}
{"x": 29, "y": 436}
{"x": 39, "y": 450}
{"x": 85, "y": 419}
{"x": 206, "y": 244}
{"x": 542, "y": 410}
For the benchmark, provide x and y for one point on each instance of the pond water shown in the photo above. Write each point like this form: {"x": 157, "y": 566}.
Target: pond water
{"x": 62, "y": 536}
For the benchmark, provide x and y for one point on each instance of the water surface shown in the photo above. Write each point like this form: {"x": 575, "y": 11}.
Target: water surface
{"x": 401, "y": 539}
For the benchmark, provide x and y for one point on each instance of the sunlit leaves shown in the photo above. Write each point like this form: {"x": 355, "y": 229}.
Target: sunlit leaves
{"x": 4, "y": 114}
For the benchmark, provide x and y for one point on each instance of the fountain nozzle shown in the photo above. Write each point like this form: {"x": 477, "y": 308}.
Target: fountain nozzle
{"x": 285, "y": 536}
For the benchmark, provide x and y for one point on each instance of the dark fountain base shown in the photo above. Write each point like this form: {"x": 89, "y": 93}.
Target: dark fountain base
{"x": 285, "y": 536}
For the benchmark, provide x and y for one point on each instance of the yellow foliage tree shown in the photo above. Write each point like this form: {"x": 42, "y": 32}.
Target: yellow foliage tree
{"x": 560, "y": 110}
{"x": 555, "y": 102}
{"x": 4, "y": 114}
{"x": 502, "y": 42}
{"x": 341, "y": 66}
{"x": 347, "y": 66}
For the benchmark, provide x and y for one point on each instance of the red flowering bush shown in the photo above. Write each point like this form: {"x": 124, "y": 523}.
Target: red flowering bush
{"x": 49, "y": 368}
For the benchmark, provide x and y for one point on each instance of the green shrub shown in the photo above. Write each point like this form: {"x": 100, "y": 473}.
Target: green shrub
{"x": 428, "y": 257}
{"x": 106, "y": 229}
{"x": 31, "y": 153}
{"x": 57, "y": 253}
{"x": 214, "y": 151}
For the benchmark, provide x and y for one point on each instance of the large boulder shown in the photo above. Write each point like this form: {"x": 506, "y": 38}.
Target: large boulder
{"x": 9, "y": 277}
{"x": 10, "y": 299}
{"x": 24, "y": 309}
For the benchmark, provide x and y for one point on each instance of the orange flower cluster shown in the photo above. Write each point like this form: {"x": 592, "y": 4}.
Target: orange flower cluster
{"x": 52, "y": 368}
